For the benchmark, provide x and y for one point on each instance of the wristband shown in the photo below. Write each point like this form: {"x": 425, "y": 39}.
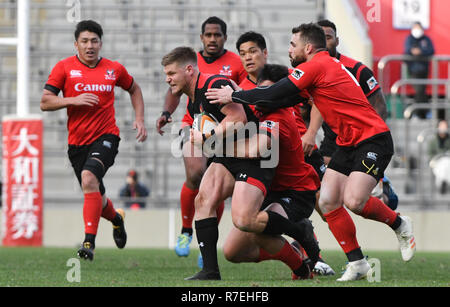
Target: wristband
{"x": 166, "y": 114}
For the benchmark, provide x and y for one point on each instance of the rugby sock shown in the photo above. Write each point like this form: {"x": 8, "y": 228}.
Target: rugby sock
{"x": 277, "y": 224}
{"x": 187, "y": 201}
{"x": 92, "y": 210}
{"x": 207, "y": 232}
{"x": 110, "y": 213}
{"x": 376, "y": 210}
{"x": 287, "y": 255}
{"x": 343, "y": 228}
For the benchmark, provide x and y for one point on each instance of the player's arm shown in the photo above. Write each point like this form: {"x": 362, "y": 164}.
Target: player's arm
{"x": 50, "y": 101}
{"x": 171, "y": 103}
{"x": 309, "y": 138}
{"x": 379, "y": 103}
{"x": 137, "y": 100}
{"x": 256, "y": 146}
{"x": 373, "y": 91}
{"x": 268, "y": 97}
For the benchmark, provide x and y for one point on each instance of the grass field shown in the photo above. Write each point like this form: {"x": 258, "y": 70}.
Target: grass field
{"x": 162, "y": 268}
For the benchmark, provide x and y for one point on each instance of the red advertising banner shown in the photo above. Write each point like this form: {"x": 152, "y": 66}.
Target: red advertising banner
{"x": 22, "y": 181}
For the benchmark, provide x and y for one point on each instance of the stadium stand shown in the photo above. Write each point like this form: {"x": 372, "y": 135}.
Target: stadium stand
{"x": 137, "y": 34}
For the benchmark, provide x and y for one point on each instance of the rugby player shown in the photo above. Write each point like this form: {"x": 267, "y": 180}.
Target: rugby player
{"x": 213, "y": 59}
{"x": 365, "y": 144}
{"x": 87, "y": 82}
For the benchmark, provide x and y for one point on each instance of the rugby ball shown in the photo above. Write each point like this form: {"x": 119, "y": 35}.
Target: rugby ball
{"x": 204, "y": 122}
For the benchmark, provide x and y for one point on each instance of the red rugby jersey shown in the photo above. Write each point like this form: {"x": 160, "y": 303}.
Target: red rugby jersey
{"x": 362, "y": 73}
{"x": 229, "y": 64}
{"x": 85, "y": 124}
{"x": 248, "y": 84}
{"x": 339, "y": 98}
{"x": 292, "y": 172}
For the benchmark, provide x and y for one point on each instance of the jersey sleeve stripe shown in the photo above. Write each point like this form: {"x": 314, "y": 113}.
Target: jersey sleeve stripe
{"x": 52, "y": 88}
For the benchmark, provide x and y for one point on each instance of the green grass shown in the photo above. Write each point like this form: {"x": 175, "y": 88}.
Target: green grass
{"x": 162, "y": 268}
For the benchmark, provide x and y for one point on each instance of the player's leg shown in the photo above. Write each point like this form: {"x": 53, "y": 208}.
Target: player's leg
{"x": 216, "y": 185}
{"x": 341, "y": 224}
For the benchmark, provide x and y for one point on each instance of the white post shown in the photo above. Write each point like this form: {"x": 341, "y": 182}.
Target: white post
{"x": 23, "y": 57}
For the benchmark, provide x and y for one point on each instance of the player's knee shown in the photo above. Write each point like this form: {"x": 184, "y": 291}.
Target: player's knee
{"x": 354, "y": 203}
{"x": 230, "y": 255}
{"x": 89, "y": 181}
{"x": 326, "y": 204}
{"x": 243, "y": 222}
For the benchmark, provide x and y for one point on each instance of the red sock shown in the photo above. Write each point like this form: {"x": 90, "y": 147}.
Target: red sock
{"x": 187, "y": 200}
{"x": 287, "y": 255}
{"x": 109, "y": 212}
{"x": 92, "y": 210}
{"x": 219, "y": 211}
{"x": 343, "y": 228}
{"x": 376, "y": 210}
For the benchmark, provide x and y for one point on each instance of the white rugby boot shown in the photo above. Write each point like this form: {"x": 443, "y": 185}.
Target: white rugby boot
{"x": 355, "y": 270}
{"x": 406, "y": 239}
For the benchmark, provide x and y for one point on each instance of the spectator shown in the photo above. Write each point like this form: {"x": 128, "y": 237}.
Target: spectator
{"x": 441, "y": 143}
{"x": 133, "y": 190}
{"x": 420, "y": 47}
{"x": 439, "y": 153}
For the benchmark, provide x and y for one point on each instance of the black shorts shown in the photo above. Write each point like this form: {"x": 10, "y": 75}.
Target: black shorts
{"x": 105, "y": 149}
{"x": 316, "y": 161}
{"x": 328, "y": 146}
{"x": 297, "y": 204}
{"x": 371, "y": 156}
{"x": 248, "y": 170}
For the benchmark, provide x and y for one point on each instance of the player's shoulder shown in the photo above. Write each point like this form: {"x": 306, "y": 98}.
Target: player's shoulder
{"x": 111, "y": 63}
{"x": 214, "y": 80}
{"x": 350, "y": 62}
{"x": 231, "y": 55}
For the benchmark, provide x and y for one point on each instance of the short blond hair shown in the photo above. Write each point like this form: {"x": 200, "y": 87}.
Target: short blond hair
{"x": 180, "y": 55}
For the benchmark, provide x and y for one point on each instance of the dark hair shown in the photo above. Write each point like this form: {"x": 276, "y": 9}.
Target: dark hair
{"x": 312, "y": 33}
{"x": 251, "y": 37}
{"x": 328, "y": 24}
{"x": 273, "y": 72}
{"x": 181, "y": 55}
{"x": 88, "y": 25}
{"x": 215, "y": 21}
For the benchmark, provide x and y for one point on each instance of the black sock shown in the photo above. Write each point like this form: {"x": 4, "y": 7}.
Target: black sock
{"x": 89, "y": 238}
{"x": 117, "y": 220}
{"x": 355, "y": 255}
{"x": 397, "y": 223}
{"x": 189, "y": 231}
{"x": 303, "y": 233}
{"x": 207, "y": 235}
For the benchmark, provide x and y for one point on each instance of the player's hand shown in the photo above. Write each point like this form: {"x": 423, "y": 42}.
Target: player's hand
{"x": 86, "y": 99}
{"x": 141, "y": 134}
{"x": 196, "y": 137}
{"x": 235, "y": 86}
{"x": 220, "y": 95}
{"x": 309, "y": 142}
{"x": 161, "y": 122}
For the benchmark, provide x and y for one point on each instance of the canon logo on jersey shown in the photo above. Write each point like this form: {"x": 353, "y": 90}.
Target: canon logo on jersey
{"x": 81, "y": 87}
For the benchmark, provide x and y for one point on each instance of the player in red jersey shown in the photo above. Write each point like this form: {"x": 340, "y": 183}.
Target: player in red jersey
{"x": 364, "y": 140}
{"x": 252, "y": 49}
{"x": 292, "y": 191}
{"x": 374, "y": 94}
{"x": 87, "y": 82}
{"x": 213, "y": 59}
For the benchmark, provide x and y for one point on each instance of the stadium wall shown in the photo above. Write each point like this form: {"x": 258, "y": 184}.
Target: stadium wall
{"x": 351, "y": 27}
{"x": 158, "y": 228}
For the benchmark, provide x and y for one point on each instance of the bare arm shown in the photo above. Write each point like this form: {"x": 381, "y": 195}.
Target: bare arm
{"x": 137, "y": 101}
{"x": 379, "y": 104}
{"x": 309, "y": 138}
{"x": 171, "y": 103}
{"x": 52, "y": 102}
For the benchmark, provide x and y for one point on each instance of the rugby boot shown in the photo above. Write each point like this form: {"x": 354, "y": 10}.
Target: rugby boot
{"x": 119, "y": 233}
{"x": 86, "y": 251}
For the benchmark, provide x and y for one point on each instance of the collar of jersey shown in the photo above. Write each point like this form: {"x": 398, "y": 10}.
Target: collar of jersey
{"x": 88, "y": 65}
